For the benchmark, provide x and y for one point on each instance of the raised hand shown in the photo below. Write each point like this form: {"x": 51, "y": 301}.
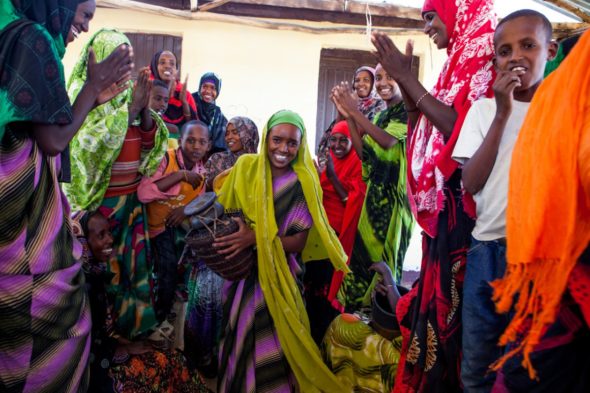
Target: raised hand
{"x": 345, "y": 98}
{"x": 183, "y": 91}
{"x": 390, "y": 57}
{"x": 110, "y": 77}
{"x": 141, "y": 92}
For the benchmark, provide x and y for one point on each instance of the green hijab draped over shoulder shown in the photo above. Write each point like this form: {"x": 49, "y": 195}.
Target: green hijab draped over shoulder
{"x": 97, "y": 145}
{"x": 249, "y": 188}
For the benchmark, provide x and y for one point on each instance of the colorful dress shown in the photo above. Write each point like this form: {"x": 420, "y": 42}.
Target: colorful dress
{"x": 430, "y": 314}
{"x": 359, "y": 356}
{"x": 385, "y": 224}
{"x": 266, "y": 343}
{"x": 45, "y": 328}
{"x": 112, "y": 368}
{"x": 108, "y": 160}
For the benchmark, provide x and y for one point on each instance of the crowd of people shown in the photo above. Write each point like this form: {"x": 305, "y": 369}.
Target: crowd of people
{"x": 100, "y": 292}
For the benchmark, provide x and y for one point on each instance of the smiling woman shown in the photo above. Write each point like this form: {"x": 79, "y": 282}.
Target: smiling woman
{"x": 209, "y": 112}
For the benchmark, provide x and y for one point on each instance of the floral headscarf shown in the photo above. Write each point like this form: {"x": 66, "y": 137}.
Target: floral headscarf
{"x": 371, "y": 104}
{"x": 467, "y": 75}
{"x": 221, "y": 161}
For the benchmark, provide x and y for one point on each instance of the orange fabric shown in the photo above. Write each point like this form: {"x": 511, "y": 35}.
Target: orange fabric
{"x": 548, "y": 216}
{"x": 158, "y": 210}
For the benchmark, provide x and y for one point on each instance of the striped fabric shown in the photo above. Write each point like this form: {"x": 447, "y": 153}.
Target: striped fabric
{"x": 251, "y": 357}
{"x": 125, "y": 176}
{"x": 45, "y": 323}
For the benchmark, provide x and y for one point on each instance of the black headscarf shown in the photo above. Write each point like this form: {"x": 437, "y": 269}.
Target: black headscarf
{"x": 211, "y": 114}
{"x": 174, "y": 113}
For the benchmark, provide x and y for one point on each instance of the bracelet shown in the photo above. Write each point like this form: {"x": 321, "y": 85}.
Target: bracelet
{"x": 421, "y": 98}
{"x": 344, "y": 200}
{"x": 187, "y": 114}
{"x": 411, "y": 110}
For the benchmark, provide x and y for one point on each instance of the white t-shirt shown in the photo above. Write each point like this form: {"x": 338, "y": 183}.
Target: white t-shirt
{"x": 492, "y": 199}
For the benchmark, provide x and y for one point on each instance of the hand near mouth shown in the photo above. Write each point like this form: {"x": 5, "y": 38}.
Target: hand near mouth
{"x": 506, "y": 82}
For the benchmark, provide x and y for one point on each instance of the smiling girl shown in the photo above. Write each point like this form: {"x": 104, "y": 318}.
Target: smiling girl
{"x": 266, "y": 343}
{"x": 385, "y": 224}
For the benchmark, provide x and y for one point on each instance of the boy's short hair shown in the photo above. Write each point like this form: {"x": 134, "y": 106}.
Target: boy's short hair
{"x": 160, "y": 83}
{"x": 194, "y": 123}
{"x": 528, "y": 13}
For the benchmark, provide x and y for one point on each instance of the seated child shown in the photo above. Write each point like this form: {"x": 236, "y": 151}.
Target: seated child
{"x": 523, "y": 45}
{"x": 177, "y": 181}
{"x": 115, "y": 361}
{"x": 364, "y": 355}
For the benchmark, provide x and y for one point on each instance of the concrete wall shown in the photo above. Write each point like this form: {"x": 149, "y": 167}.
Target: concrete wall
{"x": 262, "y": 70}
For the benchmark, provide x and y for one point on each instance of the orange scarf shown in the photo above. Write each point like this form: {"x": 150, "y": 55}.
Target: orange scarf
{"x": 548, "y": 216}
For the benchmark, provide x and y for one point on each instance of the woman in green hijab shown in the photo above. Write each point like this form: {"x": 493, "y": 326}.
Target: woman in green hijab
{"x": 117, "y": 144}
{"x": 266, "y": 343}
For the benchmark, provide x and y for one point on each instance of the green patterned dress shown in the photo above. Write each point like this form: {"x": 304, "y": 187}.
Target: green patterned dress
{"x": 386, "y": 222}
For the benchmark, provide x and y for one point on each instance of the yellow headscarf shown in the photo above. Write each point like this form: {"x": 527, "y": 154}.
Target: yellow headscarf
{"x": 249, "y": 188}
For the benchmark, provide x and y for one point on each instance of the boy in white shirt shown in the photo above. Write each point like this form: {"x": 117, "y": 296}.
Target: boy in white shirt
{"x": 523, "y": 45}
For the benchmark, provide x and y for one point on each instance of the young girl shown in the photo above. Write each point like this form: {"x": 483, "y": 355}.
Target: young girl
{"x": 178, "y": 180}
{"x": 385, "y": 224}
{"x": 181, "y": 105}
{"x": 241, "y": 137}
{"x": 266, "y": 343}
{"x": 116, "y": 364}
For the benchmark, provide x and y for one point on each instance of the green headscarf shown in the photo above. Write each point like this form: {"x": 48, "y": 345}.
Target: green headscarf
{"x": 249, "y": 188}
{"x": 100, "y": 139}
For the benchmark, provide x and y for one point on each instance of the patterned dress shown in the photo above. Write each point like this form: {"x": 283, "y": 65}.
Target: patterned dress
{"x": 359, "y": 356}
{"x": 45, "y": 319}
{"x": 252, "y": 359}
{"x": 385, "y": 224}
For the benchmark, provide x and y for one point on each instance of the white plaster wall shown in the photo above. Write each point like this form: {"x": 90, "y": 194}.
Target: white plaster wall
{"x": 262, "y": 70}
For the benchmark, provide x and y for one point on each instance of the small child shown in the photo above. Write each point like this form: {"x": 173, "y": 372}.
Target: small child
{"x": 523, "y": 45}
{"x": 159, "y": 96}
{"x": 178, "y": 180}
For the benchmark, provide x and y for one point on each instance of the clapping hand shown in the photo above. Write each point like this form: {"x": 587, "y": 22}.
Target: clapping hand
{"x": 390, "y": 57}
{"x": 110, "y": 77}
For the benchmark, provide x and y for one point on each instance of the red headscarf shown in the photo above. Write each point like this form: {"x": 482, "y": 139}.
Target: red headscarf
{"x": 467, "y": 75}
{"x": 344, "y": 216}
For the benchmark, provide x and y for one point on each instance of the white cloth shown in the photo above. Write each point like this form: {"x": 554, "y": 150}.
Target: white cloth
{"x": 492, "y": 199}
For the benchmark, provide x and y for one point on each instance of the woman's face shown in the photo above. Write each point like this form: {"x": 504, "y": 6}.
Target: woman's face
{"x": 81, "y": 22}
{"x": 208, "y": 92}
{"x": 167, "y": 66}
{"x": 340, "y": 145}
{"x": 385, "y": 84}
{"x": 100, "y": 239}
{"x": 362, "y": 83}
{"x": 283, "y": 144}
{"x": 232, "y": 138}
{"x": 436, "y": 29}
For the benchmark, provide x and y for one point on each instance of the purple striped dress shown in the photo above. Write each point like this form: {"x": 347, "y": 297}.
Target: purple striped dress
{"x": 251, "y": 357}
